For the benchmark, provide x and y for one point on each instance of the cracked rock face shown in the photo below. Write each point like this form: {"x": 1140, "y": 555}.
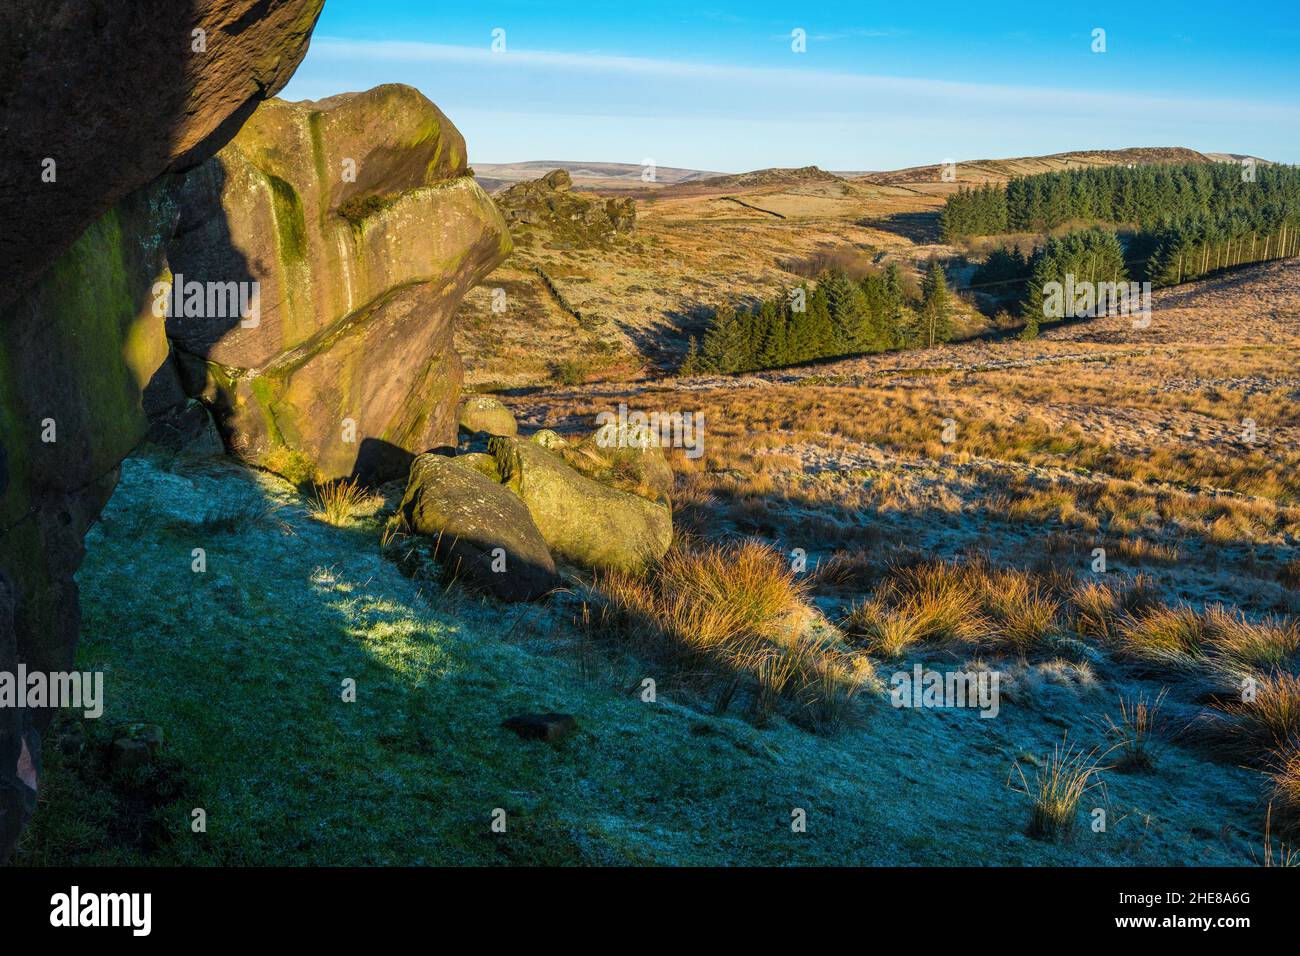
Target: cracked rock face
{"x": 99, "y": 101}
{"x": 358, "y": 220}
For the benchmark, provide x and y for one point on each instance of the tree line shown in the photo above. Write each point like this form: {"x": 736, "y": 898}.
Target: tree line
{"x": 1142, "y": 197}
{"x": 838, "y": 315}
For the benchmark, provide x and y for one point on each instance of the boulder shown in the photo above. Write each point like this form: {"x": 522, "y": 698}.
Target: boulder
{"x": 470, "y": 516}
{"x": 628, "y": 458}
{"x": 118, "y": 93}
{"x": 483, "y": 413}
{"x": 548, "y": 439}
{"x": 484, "y": 464}
{"x": 99, "y": 102}
{"x": 584, "y": 522}
{"x": 358, "y": 220}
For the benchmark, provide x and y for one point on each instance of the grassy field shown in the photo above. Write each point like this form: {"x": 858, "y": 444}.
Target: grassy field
{"x": 242, "y": 668}
{"x": 848, "y": 522}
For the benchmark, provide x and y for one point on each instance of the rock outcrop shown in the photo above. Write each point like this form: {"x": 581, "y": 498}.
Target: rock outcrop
{"x": 105, "y": 96}
{"x": 97, "y": 101}
{"x": 482, "y": 534}
{"x": 566, "y": 216}
{"x": 359, "y": 222}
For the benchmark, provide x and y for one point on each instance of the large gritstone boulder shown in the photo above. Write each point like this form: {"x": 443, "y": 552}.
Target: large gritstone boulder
{"x": 585, "y": 522}
{"x": 98, "y": 100}
{"x": 100, "y": 97}
{"x": 358, "y": 221}
{"x": 482, "y": 533}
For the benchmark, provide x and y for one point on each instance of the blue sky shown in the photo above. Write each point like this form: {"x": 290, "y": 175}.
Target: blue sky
{"x": 881, "y": 85}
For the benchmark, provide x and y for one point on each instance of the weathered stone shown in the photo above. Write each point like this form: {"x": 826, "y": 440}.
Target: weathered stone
{"x": 548, "y": 439}
{"x": 470, "y": 516}
{"x": 483, "y": 413}
{"x": 351, "y": 362}
{"x": 586, "y": 523}
{"x": 629, "y": 459}
{"x": 547, "y": 727}
{"x": 483, "y": 463}
{"x": 116, "y": 93}
{"x": 79, "y": 340}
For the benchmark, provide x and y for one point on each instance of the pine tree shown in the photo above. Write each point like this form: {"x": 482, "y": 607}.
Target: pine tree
{"x": 936, "y": 305}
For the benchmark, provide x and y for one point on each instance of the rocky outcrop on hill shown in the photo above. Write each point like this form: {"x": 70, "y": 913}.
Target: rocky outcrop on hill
{"x": 358, "y": 220}
{"x": 97, "y": 101}
{"x": 569, "y": 218}
{"x": 769, "y": 177}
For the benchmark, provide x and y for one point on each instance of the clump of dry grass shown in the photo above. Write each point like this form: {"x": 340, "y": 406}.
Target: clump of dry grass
{"x": 1289, "y": 575}
{"x": 1060, "y": 783}
{"x": 885, "y": 630}
{"x": 1266, "y": 717}
{"x": 1285, "y": 776}
{"x": 958, "y": 603}
{"x": 1096, "y": 608}
{"x": 1285, "y": 855}
{"x": 733, "y": 617}
{"x": 1217, "y": 638}
{"x": 1023, "y": 613}
{"x": 338, "y": 502}
{"x": 945, "y": 601}
{"x": 1136, "y": 731}
{"x": 847, "y": 570}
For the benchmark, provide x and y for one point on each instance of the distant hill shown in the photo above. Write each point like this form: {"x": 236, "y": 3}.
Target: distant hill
{"x": 1000, "y": 170}
{"x": 775, "y": 176}
{"x": 586, "y": 175}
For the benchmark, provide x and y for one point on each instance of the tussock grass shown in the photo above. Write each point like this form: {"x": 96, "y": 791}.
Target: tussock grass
{"x": 338, "y": 502}
{"x": 1025, "y": 615}
{"x": 1096, "y": 608}
{"x": 1060, "y": 783}
{"x": 1136, "y": 731}
{"x": 733, "y": 618}
{"x": 236, "y": 515}
{"x": 1286, "y": 855}
{"x": 1267, "y": 721}
{"x": 1285, "y": 777}
{"x": 967, "y": 603}
{"x": 1216, "y": 637}
{"x": 888, "y": 631}
{"x": 1289, "y": 575}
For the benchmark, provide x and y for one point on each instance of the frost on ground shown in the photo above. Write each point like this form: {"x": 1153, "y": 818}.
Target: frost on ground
{"x": 243, "y": 667}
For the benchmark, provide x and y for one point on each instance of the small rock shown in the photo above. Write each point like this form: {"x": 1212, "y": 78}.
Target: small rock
{"x": 547, "y": 727}
{"x": 483, "y": 413}
{"x": 128, "y": 754}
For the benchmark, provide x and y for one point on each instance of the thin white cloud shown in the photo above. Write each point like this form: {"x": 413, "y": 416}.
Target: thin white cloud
{"x": 814, "y": 81}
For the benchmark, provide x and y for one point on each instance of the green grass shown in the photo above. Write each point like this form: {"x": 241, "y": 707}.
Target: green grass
{"x": 242, "y": 668}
